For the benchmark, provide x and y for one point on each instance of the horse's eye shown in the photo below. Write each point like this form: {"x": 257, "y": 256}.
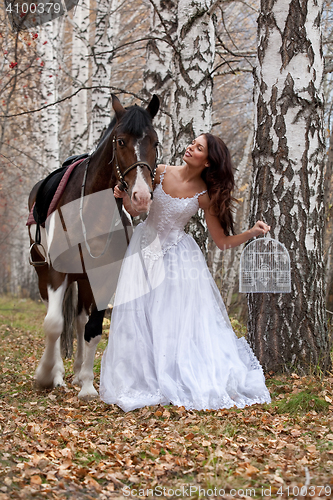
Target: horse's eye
{"x": 121, "y": 142}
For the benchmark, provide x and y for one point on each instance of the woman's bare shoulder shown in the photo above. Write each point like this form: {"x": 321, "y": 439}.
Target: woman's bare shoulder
{"x": 160, "y": 169}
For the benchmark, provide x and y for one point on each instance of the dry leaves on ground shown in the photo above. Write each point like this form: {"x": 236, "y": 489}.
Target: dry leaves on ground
{"x": 54, "y": 446}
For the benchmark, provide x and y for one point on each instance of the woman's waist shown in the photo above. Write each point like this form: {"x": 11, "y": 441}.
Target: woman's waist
{"x": 157, "y": 241}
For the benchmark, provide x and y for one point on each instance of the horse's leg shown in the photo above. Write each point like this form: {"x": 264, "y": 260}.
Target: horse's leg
{"x": 92, "y": 336}
{"x": 79, "y": 355}
{"x": 83, "y": 305}
{"x": 50, "y": 370}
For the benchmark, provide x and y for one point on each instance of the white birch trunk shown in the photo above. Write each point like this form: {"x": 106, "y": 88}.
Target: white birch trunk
{"x": 159, "y": 73}
{"x": 106, "y": 30}
{"x": 288, "y": 331}
{"x": 191, "y": 113}
{"x": 80, "y": 76}
{"x": 49, "y": 40}
{"x": 193, "y": 62}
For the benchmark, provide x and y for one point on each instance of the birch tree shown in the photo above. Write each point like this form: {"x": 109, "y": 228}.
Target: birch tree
{"x": 194, "y": 55}
{"x": 159, "y": 73}
{"x": 48, "y": 42}
{"x": 328, "y": 92}
{"x": 288, "y": 331}
{"x": 106, "y": 29}
{"x": 80, "y": 75}
{"x": 181, "y": 56}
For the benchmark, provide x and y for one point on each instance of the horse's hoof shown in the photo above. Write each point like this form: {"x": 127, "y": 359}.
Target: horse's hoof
{"x": 59, "y": 384}
{"x": 88, "y": 395}
{"x": 43, "y": 382}
{"x": 58, "y": 381}
{"x": 42, "y": 386}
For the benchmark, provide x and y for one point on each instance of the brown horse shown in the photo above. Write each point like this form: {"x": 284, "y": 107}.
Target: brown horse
{"x": 84, "y": 238}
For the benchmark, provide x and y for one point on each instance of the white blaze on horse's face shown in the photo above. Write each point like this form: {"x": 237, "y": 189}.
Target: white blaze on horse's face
{"x": 141, "y": 196}
{"x": 137, "y": 148}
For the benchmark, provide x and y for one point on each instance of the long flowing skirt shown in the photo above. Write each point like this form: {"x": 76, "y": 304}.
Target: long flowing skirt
{"x": 171, "y": 340}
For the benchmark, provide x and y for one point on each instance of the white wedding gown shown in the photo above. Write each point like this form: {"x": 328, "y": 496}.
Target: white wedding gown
{"x": 171, "y": 340}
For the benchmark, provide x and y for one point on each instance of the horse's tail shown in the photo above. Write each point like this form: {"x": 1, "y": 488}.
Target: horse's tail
{"x": 70, "y": 315}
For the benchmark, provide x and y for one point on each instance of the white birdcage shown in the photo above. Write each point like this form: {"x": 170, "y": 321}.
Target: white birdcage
{"x": 265, "y": 267}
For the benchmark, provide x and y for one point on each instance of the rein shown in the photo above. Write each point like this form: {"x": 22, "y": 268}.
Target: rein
{"x": 84, "y": 229}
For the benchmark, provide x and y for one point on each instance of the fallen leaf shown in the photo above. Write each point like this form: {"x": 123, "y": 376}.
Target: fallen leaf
{"x": 51, "y": 476}
{"x": 90, "y": 481}
{"x": 189, "y": 436}
{"x": 251, "y": 470}
{"x": 35, "y": 480}
{"x": 312, "y": 448}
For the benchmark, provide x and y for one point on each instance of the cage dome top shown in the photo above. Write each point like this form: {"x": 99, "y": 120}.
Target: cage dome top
{"x": 265, "y": 267}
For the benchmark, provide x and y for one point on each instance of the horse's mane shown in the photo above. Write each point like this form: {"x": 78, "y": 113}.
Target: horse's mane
{"x": 134, "y": 121}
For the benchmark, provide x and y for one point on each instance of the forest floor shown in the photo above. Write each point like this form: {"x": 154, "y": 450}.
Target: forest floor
{"x": 54, "y": 446}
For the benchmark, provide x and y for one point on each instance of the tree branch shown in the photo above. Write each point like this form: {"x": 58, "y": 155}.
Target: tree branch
{"x": 116, "y": 89}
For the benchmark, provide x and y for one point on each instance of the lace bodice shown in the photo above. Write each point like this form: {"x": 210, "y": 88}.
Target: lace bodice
{"x": 168, "y": 216}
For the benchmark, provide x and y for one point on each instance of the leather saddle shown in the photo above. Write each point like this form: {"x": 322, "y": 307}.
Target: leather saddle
{"x": 48, "y": 187}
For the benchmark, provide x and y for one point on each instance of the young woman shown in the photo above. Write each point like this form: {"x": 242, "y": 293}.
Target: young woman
{"x": 170, "y": 337}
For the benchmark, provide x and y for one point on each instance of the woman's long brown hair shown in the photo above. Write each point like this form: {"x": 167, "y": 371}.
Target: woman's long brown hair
{"x": 219, "y": 179}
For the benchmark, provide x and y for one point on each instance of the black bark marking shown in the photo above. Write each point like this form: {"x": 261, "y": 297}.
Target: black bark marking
{"x": 294, "y": 39}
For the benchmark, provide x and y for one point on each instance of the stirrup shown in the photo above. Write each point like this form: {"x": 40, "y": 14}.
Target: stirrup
{"x": 43, "y": 254}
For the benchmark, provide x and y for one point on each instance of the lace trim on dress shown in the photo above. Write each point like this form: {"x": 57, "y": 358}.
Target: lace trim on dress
{"x": 130, "y": 398}
{"x": 136, "y": 399}
{"x": 190, "y": 205}
{"x": 176, "y": 197}
{"x": 162, "y": 174}
{"x": 243, "y": 346}
{"x": 196, "y": 196}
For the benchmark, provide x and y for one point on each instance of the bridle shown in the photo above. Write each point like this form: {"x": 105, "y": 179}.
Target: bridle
{"x": 124, "y": 185}
{"x": 121, "y": 175}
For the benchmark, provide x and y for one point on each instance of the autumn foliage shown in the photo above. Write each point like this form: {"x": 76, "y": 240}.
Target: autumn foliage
{"x": 54, "y": 446}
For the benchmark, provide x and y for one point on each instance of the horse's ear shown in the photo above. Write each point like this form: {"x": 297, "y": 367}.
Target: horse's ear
{"x": 118, "y": 108}
{"x": 153, "y": 106}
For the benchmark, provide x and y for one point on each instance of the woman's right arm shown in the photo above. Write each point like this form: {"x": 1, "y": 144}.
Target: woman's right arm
{"x": 223, "y": 241}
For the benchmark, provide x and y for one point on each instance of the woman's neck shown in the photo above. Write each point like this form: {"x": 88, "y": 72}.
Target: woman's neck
{"x": 188, "y": 174}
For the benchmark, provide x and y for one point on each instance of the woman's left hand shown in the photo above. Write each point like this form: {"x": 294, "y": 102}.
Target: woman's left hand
{"x": 118, "y": 193}
{"x": 259, "y": 229}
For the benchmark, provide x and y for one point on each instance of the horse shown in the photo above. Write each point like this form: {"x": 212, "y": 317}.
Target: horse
{"x": 126, "y": 155}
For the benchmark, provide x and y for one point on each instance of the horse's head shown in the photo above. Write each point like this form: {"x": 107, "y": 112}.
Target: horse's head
{"x": 134, "y": 151}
